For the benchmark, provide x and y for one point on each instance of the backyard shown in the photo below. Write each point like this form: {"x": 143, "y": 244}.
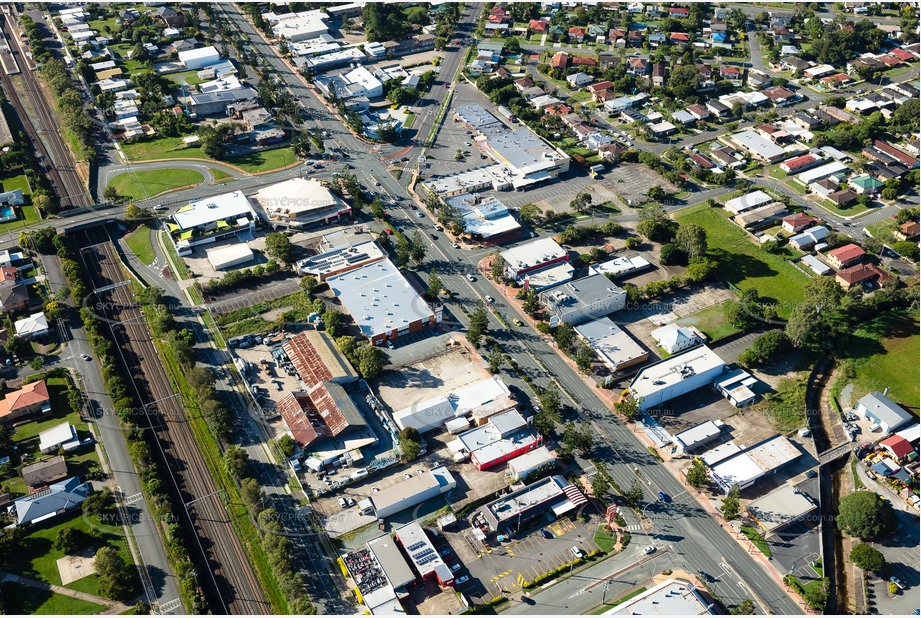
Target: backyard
{"x": 28, "y": 214}
{"x": 742, "y": 263}
{"x": 145, "y": 184}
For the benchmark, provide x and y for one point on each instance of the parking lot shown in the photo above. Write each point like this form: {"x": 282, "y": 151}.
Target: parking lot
{"x": 502, "y": 568}
{"x": 901, "y": 552}
{"x": 631, "y": 181}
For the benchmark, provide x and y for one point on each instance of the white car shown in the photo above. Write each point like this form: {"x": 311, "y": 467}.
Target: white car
{"x": 420, "y": 214}
{"x": 471, "y": 278}
{"x": 490, "y": 299}
{"x": 85, "y": 357}
{"x": 159, "y": 207}
{"x": 649, "y": 549}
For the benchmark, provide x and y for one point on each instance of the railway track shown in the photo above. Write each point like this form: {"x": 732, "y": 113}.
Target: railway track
{"x": 222, "y": 567}
{"x": 42, "y": 127}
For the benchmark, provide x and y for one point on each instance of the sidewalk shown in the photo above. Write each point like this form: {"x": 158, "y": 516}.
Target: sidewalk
{"x": 112, "y": 607}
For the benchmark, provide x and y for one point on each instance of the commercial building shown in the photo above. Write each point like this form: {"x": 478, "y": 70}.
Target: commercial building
{"x": 296, "y": 27}
{"x": 325, "y": 411}
{"x": 555, "y": 495}
{"x": 780, "y": 508}
{"x": 422, "y": 554}
{"x": 524, "y": 263}
{"x": 616, "y": 349}
{"x": 341, "y": 258}
{"x": 300, "y": 202}
{"x": 479, "y": 400}
{"x": 673, "y": 597}
{"x": 676, "y": 376}
{"x": 57, "y": 499}
{"x": 698, "y": 436}
{"x": 200, "y": 57}
{"x": 879, "y": 409}
{"x": 758, "y": 146}
{"x": 382, "y": 303}
{"x": 737, "y": 387}
{"x": 412, "y": 491}
{"x": 504, "y": 436}
{"x": 620, "y": 266}
{"x": 747, "y": 202}
{"x": 534, "y": 462}
{"x": 210, "y": 219}
{"x": 210, "y": 103}
{"x": 392, "y": 563}
{"x": 674, "y": 338}
{"x": 232, "y": 255}
{"x": 582, "y": 300}
{"x": 750, "y": 465}
{"x": 761, "y": 216}
{"x": 490, "y": 177}
{"x": 358, "y": 82}
{"x": 485, "y": 218}
{"x": 32, "y": 398}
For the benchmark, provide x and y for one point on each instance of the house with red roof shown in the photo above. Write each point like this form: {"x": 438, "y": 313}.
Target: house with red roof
{"x": 797, "y": 222}
{"x": 537, "y": 26}
{"x": 576, "y": 34}
{"x": 837, "y": 80}
{"x": 845, "y": 256}
{"x": 730, "y": 72}
{"x": 583, "y": 61}
{"x": 892, "y": 151}
{"x": 897, "y": 446}
{"x": 861, "y": 274}
{"x": 560, "y": 60}
{"x": 679, "y": 38}
{"x": 798, "y": 164}
{"x": 907, "y": 231}
{"x": 901, "y": 54}
{"x": 678, "y": 11}
{"x": 29, "y": 399}
{"x": 703, "y": 161}
{"x": 779, "y": 95}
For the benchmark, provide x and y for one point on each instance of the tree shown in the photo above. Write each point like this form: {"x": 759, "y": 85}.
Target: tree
{"x": 632, "y": 243}
{"x": 730, "y": 507}
{"x": 550, "y": 399}
{"x": 692, "y": 239}
{"x": 116, "y": 579}
{"x": 371, "y": 361}
{"x": 904, "y": 216}
{"x": 581, "y": 202}
{"x": 634, "y": 494}
{"x": 495, "y": 359}
{"x": 565, "y": 336}
{"x": 863, "y": 514}
{"x": 68, "y": 540}
{"x": 434, "y": 286}
{"x": 629, "y": 406}
{"x": 417, "y": 247}
{"x": 584, "y": 356}
{"x": 530, "y": 213}
{"x": 308, "y": 284}
{"x": 907, "y": 249}
{"x": 764, "y": 348}
{"x": 600, "y": 483}
{"x": 745, "y": 608}
{"x": 287, "y": 445}
{"x": 111, "y": 194}
{"x": 868, "y": 558}
{"x": 332, "y": 320}
{"x": 236, "y": 461}
{"x": 698, "y": 475}
{"x": 545, "y": 422}
{"x": 409, "y": 444}
{"x": 531, "y": 304}
{"x": 656, "y": 225}
{"x": 479, "y": 322}
{"x": 251, "y": 493}
{"x": 578, "y": 437}
{"x": 497, "y": 269}
{"x": 670, "y": 253}
{"x": 656, "y": 193}
{"x": 279, "y": 247}
{"x": 100, "y": 504}
{"x": 133, "y": 213}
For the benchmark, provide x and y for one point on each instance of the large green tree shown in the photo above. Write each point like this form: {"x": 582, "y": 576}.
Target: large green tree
{"x": 865, "y": 515}
{"x": 868, "y": 558}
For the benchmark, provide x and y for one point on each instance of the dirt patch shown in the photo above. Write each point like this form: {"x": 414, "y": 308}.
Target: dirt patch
{"x": 77, "y": 566}
{"x": 428, "y": 378}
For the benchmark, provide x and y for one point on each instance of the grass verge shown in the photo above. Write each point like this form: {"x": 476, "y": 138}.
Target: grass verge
{"x": 622, "y": 599}
{"x": 604, "y": 540}
{"x": 179, "y": 267}
{"x": 139, "y": 243}
{"x": 145, "y": 184}
{"x": 24, "y": 600}
{"x": 220, "y": 176}
{"x": 756, "y": 540}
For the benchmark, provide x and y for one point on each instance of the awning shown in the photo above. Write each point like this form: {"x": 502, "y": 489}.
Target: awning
{"x": 563, "y": 507}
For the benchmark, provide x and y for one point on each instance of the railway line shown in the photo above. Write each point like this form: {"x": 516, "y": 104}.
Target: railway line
{"x": 222, "y": 567}
{"x": 40, "y": 124}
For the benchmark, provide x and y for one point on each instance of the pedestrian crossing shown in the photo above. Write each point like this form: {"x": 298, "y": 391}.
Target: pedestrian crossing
{"x": 169, "y": 606}
{"x": 133, "y": 498}
{"x": 633, "y": 528}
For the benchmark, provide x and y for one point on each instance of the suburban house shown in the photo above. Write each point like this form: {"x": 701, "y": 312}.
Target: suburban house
{"x": 907, "y": 231}
{"x": 44, "y": 472}
{"x": 560, "y": 60}
{"x": 845, "y": 256}
{"x": 799, "y": 164}
{"x": 841, "y": 198}
{"x": 809, "y": 238}
{"x": 33, "y": 327}
{"x": 865, "y": 184}
{"x": 30, "y": 399}
{"x": 796, "y": 222}
{"x": 733, "y": 74}
{"x": 674, "y": 338}
{"x": 699, "y": 111}
{"x": 577, "y": 80}
{"x": 779, "y": 95}
{"x": 824, "y": 187}
{"x": 56, "y": 500}
{"x": 862, "y": 274}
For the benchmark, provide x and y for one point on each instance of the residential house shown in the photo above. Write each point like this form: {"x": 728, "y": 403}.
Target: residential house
{"x": 862, "y": 274}
{"x": 824, "y": 187}
{"x": 607, "y": 60}
{"x": 33, "y": 327}
{"x": 637, "y": 66}
{"x": 779, "y": 96}
{"x": 706, "y": 75}
{"x": 599, "y": 87}
{"x": 576, "y": 34}
{"x": 33, "y": 398}
{"x": 727, "y": 156}
{"x": 678, "y": 12}
{"x": 792, "y": 63}
{"x": 837, "y": 80}
{"x": 611, "y": 152}
{"x": 809, "y": 238}
{"x": 810, "y": 123}
{"x": 683, "y": 117}
{"x": 679, "y": 38}
{"x": 845, "y": 256}
{"x": 907, "y": 231}
{"x": 908, "y": 160}
{"x": 796, "y": 222}
{"x": 842, "y": 198}
{"x": 800, "y": 163}
{"x": 634, "y": 38}
{"x": 674, "y": 338}
{"x": 44, "y": 472}
{"x": 702, "y": 161}
{"x": 656, "y": 39}
{"x": 782, "y": 36}
{"x": 718, "y": 109}
{"x": 583, "y": 61}
{"x": 524, "y": 83}
{"x": 658, "y": 74}
{"x": 537, "y": 26}
{"x": 577, "y": 80}
{"x": 56, "y": 500}
{"x": 841, "y": 115}
{"x": 169, "y": 16}
{"x": 14, "y": 296}
{"x": 560, "y": 60}
{"x": 699, "y": 111}
{"x": 758, "y": 79}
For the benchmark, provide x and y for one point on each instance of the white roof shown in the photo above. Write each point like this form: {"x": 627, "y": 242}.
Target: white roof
{"x": 683, "y": 116}
{"x": 780, "y": 507}
{"x": 362, "y": 77}
{"x": 689, "y": 438}
{"x": 675, "y": 369}
{"x": 59, "y": 434}
{"x": 620, "y": 265}
{"x": 823, "y": 171}
{"x": 198, "y": 53}
{"x": 295, "y": 196}
{"x": 530, "y": 460}
{"x": 662, "y": 127}
{"x": 230, "y": 254}
{"x": 610, "y": 342}
{"x": 673, "y": 597}
{"x": 911, "y": 433}
{"x": 35, "y": 323}
{"x": 379, "y": 298}
{"x": 673, "y": 335}
{"x": 300, "y": 25}
{"x": 489, "y": 393}
{"x": 757, "y": 461}
{"x": 747, "y": 202}
{"x": 819, "y": 71}
{"x": 211, "y": 209}
{"x": 228, "y": 82}
{"x": 721, "y": 452}
{"x": 817, "y": 266}
{"x": 532, "y": 254}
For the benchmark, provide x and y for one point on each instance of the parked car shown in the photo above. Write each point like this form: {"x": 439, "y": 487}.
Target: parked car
{"x": 664, "y": 497}
{"x": 811, "y": 474}
{"x": 649, "y": 549}
{"x": 575, "y": 551}
{"x": 455, "y": 568}
{"x": 546, "y": 533}
{"x": 444, "y": 553}
{"x": 462, "y": 580}
{"x": 342, "y": 503}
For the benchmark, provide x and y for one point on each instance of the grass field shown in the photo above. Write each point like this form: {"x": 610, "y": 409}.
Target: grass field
{"x": 189, "y": 77}
{"x": 850, "y": 211}
{"x": 219, "y": 175}
{"x": 23, "y": 600}
{"x": 265, "y": 160}
{"x": 36, "y": 556}
{"x": 11, "y": 183}
{"x": 756, "y": 539}
{"x": 145, "y": 184}
{"x": 139, "y": 242}
{"x": 712, "y": 322}
{"x": 785, "y": 408}
{"x": 885, "y": 354}
{"x": 179, "y": 267}
{"x": 162, "y": 148}
{"x": 744, "y": 264}
{"x": 604, "y": 540}
{"x": 882, "y": 230}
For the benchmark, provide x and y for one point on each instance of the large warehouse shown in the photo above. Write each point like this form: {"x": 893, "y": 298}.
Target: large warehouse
{"x": 382, "y": 302}
{"x": 531, "y": 463}
{"x": 554, "y": 494}
{"x": 229, "y": 256}
{"x": 410, "y": 492}
{"x": 749, "y": 466}
{"x": 780, "y": 508}
{"x": 676, "y": 376}
{"x": 481, "y": 400}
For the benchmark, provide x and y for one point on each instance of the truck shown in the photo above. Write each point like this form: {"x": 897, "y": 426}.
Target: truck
{"x": 596, "y": 170}
{"x": 507, "y": 114}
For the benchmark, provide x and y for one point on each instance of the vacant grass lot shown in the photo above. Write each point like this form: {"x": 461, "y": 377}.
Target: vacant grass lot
{"x": 219, "y": 175}
{"x": 145, "y": 184}
{"x": 24, "y": 600}
{"x": 756, "y": 539}
{"x": 173, "y": 148}
{"x": 265, "y": 160}
{"x": 744, "y": 264}
{"x": 139, "y": 242}
{"x": 885, "y": 353}
{"x": 712, "y": 322}
{"x": 785, "y": 408}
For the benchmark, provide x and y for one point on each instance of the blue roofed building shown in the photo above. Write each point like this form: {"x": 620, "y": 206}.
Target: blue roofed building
{"x": 57, "y": 499}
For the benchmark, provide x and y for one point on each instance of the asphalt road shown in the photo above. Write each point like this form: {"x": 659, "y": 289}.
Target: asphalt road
{"x": 160, "y": 583}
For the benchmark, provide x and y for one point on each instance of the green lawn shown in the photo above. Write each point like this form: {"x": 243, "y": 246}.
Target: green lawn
{"x": 785, "y": 408}
{"x": 139, "y": 242}
{"x": 179, "y": 267}
{"x": 162, "y": 148}
{"x": 798, "y": 187}
{"x": 24, "y": 600}
{"x": 775, "y": 172}
{"x": 850, "y": 211}
{"x": 265, "y": 160}
{"x": 27, "y": 216}
{"x": 220, "y": 175}
{"x": 410, "y": 120}
{"x": 189, "y": 77}
{"x": 604, "y": 540}
{"x": 11, "y": 183}
{"x": 756, "y": 539}
{"x": 882, "y": 230}
{"x": 885, "y": 354}
{"x": 145, "y": 184}
{"x": 744, "y": 264}
{"x": 712, "y": 322}
{"x": 36, "y": 556}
